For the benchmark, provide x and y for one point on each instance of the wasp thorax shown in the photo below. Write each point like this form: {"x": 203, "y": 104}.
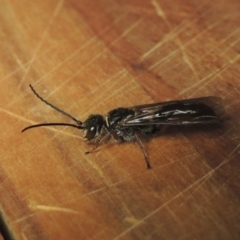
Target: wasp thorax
{"x": 93, "y": 126}
{"x": 117, "y": 115}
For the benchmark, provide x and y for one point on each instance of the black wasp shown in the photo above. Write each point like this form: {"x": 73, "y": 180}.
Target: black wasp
{"x": 128, "y": 124}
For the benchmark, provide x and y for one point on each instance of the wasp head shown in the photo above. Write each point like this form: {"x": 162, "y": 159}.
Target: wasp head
{"x": 93, "y": 126}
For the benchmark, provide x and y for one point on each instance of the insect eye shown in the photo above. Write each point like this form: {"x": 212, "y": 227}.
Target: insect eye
{"x": 90, "y": 133}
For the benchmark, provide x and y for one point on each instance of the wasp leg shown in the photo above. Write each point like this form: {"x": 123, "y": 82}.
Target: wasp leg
{"x": 140, "y": 144}
{"x": 103, "y": 139}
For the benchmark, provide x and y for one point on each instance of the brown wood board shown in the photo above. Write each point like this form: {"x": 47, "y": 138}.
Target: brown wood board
{"x": 93, "y": 56}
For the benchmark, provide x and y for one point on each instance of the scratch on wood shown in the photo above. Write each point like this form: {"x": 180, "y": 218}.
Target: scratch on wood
{"x": 200, "y": 82}
{"x": 203, "y": 178}
{"x": 230, "y": 36}
{"x": 161, "y": 13}
{"x": 32, "y": 122}
{"x": 165, "y": 59}
{"x": 132, "y": 220}
{"x": 217, "y": 190}
{"x": 131, "y": 28}
{"x": 56, "y": 11}
{"x": 23, "y": 66}
{"x": 24, "y": 236}
{"x": 78, "y": 50}
{"x": 110, "y": 86}
{"x": 23, "y": 218}
{"x": 187, "y": 60}
{"x": 51, "y": 208}
{"x": 206, "y": 80}
{"x": 172, "y": 34}
{"x": 220, "y": 165}
{"x": 14, "y": 115}
{"x": 159, "y": 10}
{"x": 89, "y": 42}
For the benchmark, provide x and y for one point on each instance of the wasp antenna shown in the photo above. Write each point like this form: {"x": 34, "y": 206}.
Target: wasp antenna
{"x": 51, "y": 124}
{"x": 54, "y": 107}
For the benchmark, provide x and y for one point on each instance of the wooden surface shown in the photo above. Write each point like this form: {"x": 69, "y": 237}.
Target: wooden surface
{"x": 93, "y": 56}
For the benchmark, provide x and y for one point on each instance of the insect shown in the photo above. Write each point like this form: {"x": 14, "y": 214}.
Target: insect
{"x": 129, "y": 124}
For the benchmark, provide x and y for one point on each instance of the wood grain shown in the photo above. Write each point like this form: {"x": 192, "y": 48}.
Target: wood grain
{"x": 93, "y": 56}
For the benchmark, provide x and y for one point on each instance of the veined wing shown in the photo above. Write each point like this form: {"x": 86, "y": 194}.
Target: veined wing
{"x": 179, "y": 112}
